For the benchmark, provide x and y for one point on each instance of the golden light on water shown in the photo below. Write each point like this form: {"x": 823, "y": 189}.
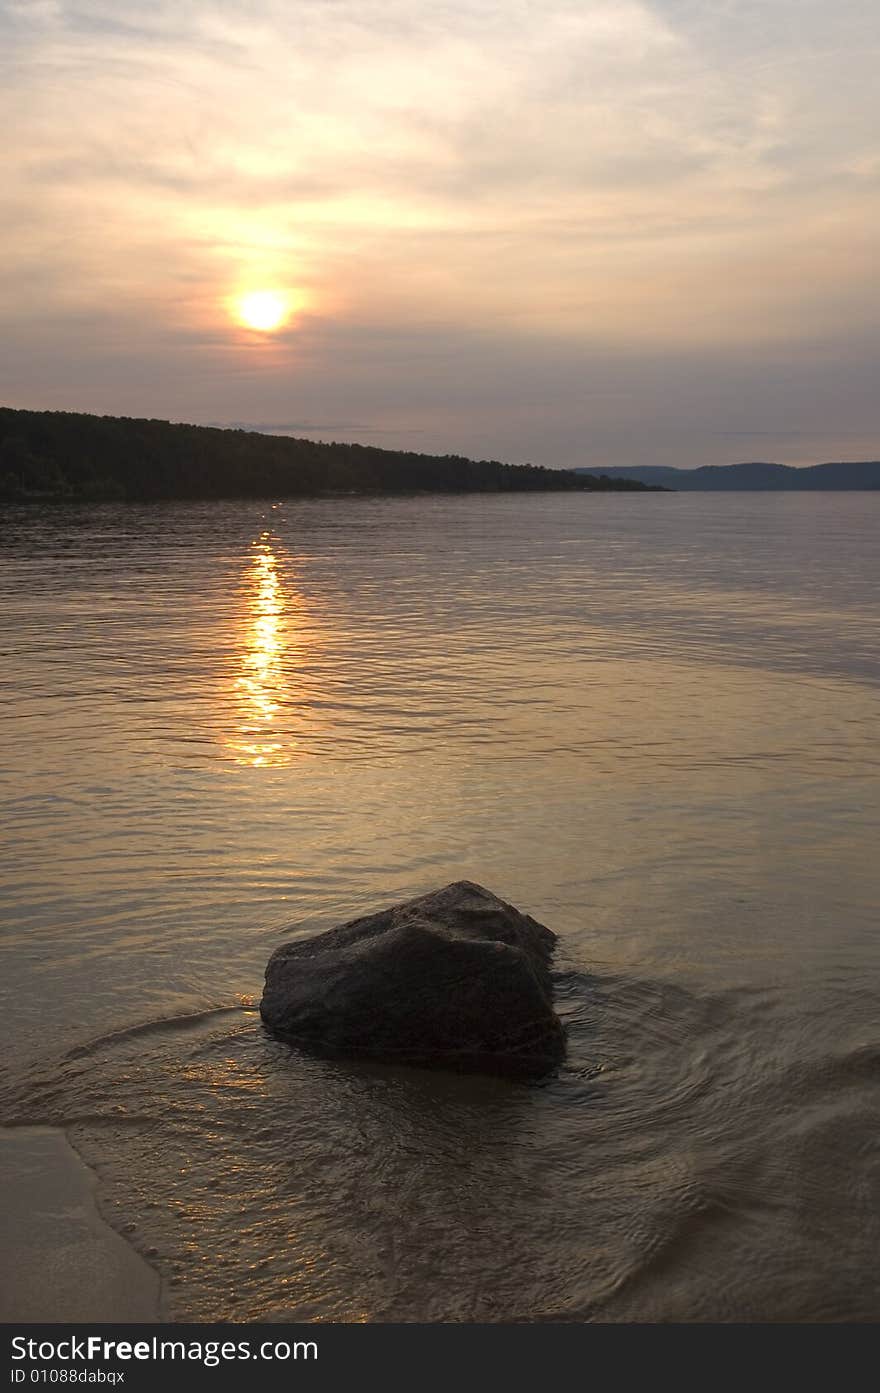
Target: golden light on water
{"x": 269, "y": 688}
{"x": 265, "y": 311}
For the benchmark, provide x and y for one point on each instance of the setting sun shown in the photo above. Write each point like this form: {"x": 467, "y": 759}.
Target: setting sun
{"x": 264, "y": 310}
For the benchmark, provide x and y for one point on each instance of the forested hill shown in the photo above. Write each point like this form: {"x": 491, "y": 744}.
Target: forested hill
{"x": 845, "y": 474}
{"x": 57, "y": 455}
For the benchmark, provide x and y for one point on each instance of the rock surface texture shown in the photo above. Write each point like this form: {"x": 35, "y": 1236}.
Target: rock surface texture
{"x": 456, "y": 979}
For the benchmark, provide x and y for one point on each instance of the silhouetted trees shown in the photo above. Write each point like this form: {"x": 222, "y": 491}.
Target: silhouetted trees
{"x": 65, "y": 455}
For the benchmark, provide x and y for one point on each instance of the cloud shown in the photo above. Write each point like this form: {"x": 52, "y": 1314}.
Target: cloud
{"x": 324, "y": 428}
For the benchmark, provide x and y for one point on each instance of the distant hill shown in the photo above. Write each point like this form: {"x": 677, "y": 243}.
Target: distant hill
{"x": 858, "y": 474}
{"x": 58, "y": 455}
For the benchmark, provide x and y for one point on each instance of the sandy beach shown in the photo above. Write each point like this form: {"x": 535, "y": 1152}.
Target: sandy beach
{"x": 62, "y": 1261}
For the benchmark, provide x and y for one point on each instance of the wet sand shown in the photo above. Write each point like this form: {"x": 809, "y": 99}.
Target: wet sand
{"x": 61, "y": 1261}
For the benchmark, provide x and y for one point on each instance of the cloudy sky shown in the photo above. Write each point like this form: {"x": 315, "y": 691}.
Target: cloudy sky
{"x": 572, "y": 231}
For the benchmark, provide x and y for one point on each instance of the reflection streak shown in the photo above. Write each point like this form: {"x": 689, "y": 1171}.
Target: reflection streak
{"x": 262, "y": 686}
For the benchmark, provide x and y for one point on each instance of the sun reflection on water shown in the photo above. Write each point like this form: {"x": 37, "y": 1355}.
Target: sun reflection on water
{"x": 275, "y": 634}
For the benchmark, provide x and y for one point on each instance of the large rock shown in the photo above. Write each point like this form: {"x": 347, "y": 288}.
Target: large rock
{"x": 457, "y": 979}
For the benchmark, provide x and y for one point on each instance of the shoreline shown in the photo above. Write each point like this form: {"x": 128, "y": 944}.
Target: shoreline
{"x": 63, "y": 1263}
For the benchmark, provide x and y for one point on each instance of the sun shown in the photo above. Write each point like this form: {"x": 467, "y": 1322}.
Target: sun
{"x": 263, "y": 310}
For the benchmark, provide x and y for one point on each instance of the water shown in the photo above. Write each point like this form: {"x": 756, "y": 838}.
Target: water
{"x": 648, "y": 721}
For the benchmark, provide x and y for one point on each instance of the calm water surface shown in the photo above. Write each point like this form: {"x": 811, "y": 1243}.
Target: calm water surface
{"x": 648, "y": 721}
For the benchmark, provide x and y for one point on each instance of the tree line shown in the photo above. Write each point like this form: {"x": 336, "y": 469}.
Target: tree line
{"x": 62, "y": 455}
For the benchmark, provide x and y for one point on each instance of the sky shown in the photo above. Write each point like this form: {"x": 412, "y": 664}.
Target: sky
{"x": 575, "y": 232}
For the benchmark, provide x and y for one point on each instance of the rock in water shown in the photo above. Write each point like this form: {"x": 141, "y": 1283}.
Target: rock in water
{"x": 457, "y": 979}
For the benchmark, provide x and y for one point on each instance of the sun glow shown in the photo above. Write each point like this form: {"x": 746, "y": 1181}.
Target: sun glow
{"x": 266, "y": 311}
